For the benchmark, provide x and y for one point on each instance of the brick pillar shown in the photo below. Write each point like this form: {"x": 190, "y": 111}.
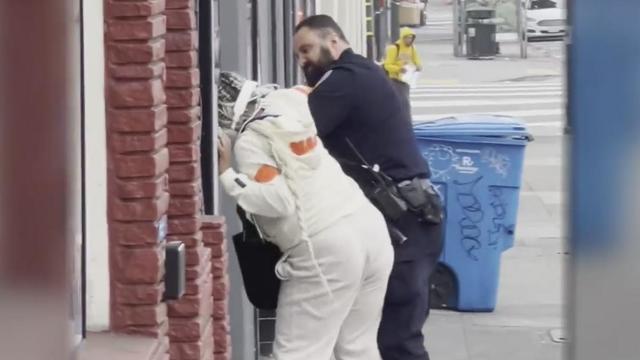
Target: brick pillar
{"x": 191, "y": 327}
{"x": 138, "y": 159}
{"x": 213, "y": 228}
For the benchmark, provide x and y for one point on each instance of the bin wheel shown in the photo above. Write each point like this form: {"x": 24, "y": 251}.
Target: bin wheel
{"x": 444, "y": 288}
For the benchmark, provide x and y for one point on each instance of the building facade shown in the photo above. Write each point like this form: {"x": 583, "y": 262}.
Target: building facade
{"x": 147, "y": 171}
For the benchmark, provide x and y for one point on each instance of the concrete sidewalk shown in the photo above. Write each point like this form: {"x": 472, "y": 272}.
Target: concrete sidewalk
{"x": 545, "y": 62}
{"x": 528, "y": 321}
{"x": 435, "y": 43}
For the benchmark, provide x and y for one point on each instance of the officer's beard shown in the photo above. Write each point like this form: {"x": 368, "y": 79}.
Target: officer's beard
{"x": 314, "y": 72}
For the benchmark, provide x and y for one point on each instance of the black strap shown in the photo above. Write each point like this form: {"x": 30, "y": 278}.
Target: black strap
{"x": 377, "y": 173}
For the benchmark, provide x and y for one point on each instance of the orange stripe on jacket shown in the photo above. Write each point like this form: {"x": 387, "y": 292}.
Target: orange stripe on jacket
{"x": 266, "y": 173}
{"x": 304, "y": 146}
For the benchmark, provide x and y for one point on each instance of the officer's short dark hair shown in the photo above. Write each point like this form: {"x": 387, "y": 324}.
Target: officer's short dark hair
{"x": 323, "y": 24}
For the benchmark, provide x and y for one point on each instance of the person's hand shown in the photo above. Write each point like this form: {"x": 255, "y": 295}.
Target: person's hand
{"x": 418, "y": 68}
{"x": 224, "y": 153}
{"x": 403, "y": 70}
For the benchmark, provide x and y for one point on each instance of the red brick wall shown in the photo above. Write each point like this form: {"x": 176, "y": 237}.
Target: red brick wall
{"x": 154, "y": 182}
{"x": 213, "y": 228}
{"x": 138, "y": 160}
{"x": 191, "y": 328}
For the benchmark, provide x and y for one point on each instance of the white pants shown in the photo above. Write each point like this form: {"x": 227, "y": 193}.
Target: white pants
{"x": 338, "y": 311}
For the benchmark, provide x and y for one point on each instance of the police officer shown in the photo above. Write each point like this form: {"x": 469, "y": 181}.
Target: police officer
{"x": 360, "y": 119}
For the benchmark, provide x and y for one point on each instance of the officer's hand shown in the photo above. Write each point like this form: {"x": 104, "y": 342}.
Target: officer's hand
{"x": 418, "y": 68}
{"x": 224, "y": 153}
{"x": 403, "y": 70}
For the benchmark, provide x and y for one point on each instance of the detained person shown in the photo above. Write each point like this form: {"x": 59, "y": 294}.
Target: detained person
{"x": 337, "y": 252}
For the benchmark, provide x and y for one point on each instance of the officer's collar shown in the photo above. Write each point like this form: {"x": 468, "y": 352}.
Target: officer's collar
{"x": 346, "y": 52}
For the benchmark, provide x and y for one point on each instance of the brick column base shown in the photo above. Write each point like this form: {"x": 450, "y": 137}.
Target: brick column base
{"x": 138, "y": 159}
{"x": 214, "y": 229}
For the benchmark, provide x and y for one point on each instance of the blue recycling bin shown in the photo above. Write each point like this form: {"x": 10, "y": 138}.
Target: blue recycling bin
{"x": 476, "y": 164}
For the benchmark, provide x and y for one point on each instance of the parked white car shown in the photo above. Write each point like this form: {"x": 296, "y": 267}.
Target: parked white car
{"x": 546, "y": 19}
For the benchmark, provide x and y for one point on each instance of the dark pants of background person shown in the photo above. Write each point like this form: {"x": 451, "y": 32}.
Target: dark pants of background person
{"x": 403, "y": 89}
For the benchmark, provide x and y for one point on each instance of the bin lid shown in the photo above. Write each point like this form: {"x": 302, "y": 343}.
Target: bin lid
{"x": 474, "y": 126}
{"x": 479, "y": 12}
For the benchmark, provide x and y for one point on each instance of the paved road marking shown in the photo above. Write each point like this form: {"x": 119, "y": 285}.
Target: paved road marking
{"x": 485, "y": 94}
{"x": 499, "y": 102}
{"x": 516, "y": 113}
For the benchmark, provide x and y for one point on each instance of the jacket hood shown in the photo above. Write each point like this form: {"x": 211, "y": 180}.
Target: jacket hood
{"x": 405, "y": 31}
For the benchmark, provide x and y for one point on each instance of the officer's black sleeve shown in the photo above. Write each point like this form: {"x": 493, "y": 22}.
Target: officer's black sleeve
{"x": 331, "y": 101}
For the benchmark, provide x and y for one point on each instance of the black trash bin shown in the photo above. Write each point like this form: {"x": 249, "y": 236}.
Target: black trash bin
{"x": 481, "y": 33}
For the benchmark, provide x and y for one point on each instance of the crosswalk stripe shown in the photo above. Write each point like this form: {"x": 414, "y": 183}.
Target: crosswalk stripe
{"x": 539, "y": 104}
{"x": 499, "y": 102}
{"x": 440, "y": 19}
{"x": 485, "y": 94}
{"x": 516, "y": 113}
{"x": 545, "y": 124}
{"x": 510, "y": 85}
{"x": 419, "y": 90}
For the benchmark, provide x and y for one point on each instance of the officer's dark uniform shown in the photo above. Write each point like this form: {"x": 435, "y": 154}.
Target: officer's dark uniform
{"x": 355, "y": 102}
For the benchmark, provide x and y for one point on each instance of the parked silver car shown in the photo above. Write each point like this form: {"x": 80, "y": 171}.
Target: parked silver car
{"x": 546, "y": 19}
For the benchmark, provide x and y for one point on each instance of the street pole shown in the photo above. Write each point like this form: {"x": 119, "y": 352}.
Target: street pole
{"x": 371, "y": 45}
{"x": 522, "y": 28}
{"x": 395, "y": 20}
{"x": 458, "y": 28}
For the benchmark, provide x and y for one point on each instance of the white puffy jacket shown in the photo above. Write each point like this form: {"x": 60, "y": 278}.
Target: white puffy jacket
{"x": 286, "y": 178}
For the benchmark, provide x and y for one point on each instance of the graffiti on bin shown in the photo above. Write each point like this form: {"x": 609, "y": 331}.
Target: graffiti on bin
{"x": 499, "y": 207}
{"x": 473, "y": 214}
{"x": 445, "y": 159}
{"x": 500, "y": 163}
{"x": 441, "y": 159}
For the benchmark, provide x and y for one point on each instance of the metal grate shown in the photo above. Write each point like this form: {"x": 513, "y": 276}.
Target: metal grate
{"x": 265, "y": 333}
{"x": 555, "y": 22}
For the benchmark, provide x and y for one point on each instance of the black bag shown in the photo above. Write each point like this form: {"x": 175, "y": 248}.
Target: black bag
{"x": 257, "y": 259}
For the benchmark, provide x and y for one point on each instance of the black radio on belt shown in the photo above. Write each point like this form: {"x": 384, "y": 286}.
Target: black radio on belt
{"x": 382, "y": 192}
{"x": 388, "y": 201}
{"x": 394, "y": 200}
{"x": 422, "y": 199}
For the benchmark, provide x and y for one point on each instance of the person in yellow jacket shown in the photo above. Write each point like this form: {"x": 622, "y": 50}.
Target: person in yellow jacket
{"x": 402, "y": 56}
